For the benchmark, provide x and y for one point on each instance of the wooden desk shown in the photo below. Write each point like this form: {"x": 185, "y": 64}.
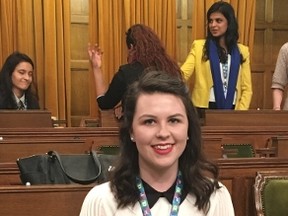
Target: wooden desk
{"x": 25, "y": 119}
{"x": 260, "y": 136}
{"x": 12, "y": 149}
{"x": 245, "y": 118}
{"x": 108, "y": 119}
{"x": 103, "y": 134}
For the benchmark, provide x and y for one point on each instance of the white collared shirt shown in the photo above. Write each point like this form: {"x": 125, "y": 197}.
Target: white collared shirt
{"x": 22, "y": 99}
{"x": 100, "y": 201}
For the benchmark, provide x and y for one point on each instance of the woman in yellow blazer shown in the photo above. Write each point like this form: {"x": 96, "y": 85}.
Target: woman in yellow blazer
{"x": 220, "y": 65}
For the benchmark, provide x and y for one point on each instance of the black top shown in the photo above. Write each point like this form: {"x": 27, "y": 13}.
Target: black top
{"x": 153, "y": 195}
{"x": 126, "y": 75}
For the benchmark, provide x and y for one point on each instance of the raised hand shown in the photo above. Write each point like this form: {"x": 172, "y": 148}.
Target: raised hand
{"x": 95, "y": 55}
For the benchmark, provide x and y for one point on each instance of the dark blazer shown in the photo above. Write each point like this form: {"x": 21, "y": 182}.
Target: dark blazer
{"x": 10, "y": 103}
{"x": 126, "y": 75}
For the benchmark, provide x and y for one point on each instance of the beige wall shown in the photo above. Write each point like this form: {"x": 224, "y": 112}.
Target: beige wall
{"x": 270, "y": 34}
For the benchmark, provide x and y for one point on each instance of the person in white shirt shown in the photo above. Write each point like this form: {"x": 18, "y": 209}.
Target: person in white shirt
{"x": 161, "y": 168}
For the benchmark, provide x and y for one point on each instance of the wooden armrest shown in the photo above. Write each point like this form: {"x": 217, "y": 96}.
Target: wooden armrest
{"x": 266, "y": 152}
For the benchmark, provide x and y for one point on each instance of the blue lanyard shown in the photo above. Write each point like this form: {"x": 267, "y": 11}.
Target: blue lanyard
{"x": 176, "y": 198}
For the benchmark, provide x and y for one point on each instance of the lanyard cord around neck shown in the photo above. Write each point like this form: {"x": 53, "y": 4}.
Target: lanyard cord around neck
{"x": 176, "y": 198}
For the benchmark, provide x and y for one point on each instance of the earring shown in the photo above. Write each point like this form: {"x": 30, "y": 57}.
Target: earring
{"x": 132, "y": 139}
{"x": 187, "y": 138}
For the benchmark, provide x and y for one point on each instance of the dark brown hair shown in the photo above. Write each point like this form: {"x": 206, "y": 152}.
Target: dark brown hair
{"x": 192, "y": 163}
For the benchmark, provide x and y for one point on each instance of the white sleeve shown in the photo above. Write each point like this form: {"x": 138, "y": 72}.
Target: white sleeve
{"x": 221, "y": 203}
{"x": 99, "y": 201}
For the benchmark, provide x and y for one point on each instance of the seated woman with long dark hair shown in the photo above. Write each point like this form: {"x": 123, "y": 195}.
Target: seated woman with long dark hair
{"x": 17, "y": 87}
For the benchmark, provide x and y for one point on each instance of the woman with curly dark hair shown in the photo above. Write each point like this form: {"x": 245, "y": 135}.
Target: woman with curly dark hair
{"x": 17, "y": 89}
{"x": 145, "y": 50}
{"x": 220, "y": 65}
{"x": 161, "y": 169}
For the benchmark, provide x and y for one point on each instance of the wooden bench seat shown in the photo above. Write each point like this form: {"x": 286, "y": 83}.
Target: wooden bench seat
{"x": 25, "y": 119}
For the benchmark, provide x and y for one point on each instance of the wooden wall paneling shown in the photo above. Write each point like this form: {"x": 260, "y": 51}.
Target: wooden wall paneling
{"x": 270, "y": 34}
{"x": 267, "y": 97}
{"x": 79, "y": 61}
{"x": 258, "y": 49}
{"x": 184, "y": 29}
{"x": 258, "y": 69}
{"x": 258, "y": 87}
{"x": 80, "y": 96}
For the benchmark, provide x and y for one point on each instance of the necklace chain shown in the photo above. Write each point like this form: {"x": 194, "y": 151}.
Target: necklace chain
{"x": 225, "y": 77}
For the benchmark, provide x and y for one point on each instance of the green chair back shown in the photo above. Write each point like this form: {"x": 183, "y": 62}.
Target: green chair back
{"x": 271, "y": 193}
{"x": 112, "y": 150}
{"x": 238, "y": 150}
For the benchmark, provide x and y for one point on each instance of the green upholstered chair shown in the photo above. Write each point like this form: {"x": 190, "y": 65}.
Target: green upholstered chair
{"x": 271, "y": 193}
{"x": 237, "y": 150}
{"x": 101, "y": 147}
{"x": 110, "y": 149}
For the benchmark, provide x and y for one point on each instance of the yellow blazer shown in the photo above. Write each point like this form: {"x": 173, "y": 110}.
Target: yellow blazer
{"x": 203, "y": 81}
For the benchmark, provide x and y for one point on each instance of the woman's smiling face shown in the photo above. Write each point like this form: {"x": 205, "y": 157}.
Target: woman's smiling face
{"x": 22, "y": 77}
{"x": 159, "y": 129}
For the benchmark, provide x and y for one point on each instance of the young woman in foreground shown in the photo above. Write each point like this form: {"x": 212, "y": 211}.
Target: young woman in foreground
{"x": 161, "y": 170}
